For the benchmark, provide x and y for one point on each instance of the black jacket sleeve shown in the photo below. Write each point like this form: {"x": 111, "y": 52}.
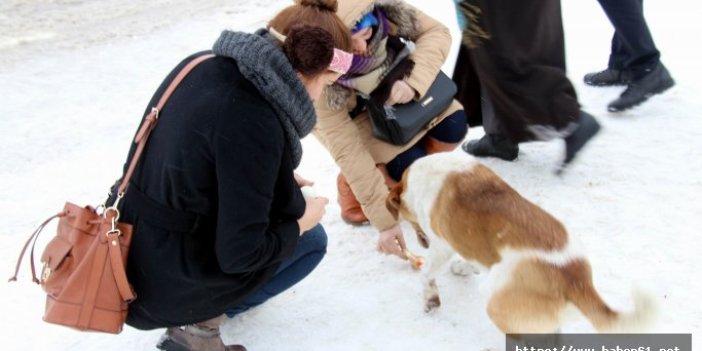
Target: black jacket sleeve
{"x": 249, "y": 147}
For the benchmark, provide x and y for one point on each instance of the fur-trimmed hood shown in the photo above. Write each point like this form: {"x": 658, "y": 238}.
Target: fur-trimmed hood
{"x": 404, "y": 17}
{"x": 350, "y": 11}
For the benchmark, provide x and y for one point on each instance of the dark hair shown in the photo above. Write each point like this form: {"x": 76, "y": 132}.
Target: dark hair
{"x": 310, "y": 49}
{"x": 318, "y": 13}
{"x": 330, "y": 5}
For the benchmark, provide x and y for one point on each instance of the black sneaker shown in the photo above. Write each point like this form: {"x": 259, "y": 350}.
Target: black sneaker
{"x": 587, "y": 128}
{"x": 607, "y": 77}
{"x": 492, "y": 145}
{"x": 638, "y": 91}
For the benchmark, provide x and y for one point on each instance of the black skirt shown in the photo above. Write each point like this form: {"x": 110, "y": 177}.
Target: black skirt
{"x": 521, "y": 67}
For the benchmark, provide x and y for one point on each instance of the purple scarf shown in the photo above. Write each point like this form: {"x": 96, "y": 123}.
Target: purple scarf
{"x": 367, "y": 71}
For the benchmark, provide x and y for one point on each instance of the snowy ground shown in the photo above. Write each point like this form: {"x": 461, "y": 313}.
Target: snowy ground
{"x": 74, "y": 79}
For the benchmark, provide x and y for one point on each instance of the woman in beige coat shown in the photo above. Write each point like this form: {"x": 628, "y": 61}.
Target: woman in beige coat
{"x": 369, "y": 165}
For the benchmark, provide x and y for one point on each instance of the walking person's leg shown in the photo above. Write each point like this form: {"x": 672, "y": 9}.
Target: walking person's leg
{"x": 632, "y": 36}
{"x": 620, "y": 54}
{"x": 495, "y": 142}
{"x": 641, "y": 68}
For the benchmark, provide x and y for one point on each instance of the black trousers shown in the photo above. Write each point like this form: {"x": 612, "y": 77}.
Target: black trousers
{"x": 632, "y": 44}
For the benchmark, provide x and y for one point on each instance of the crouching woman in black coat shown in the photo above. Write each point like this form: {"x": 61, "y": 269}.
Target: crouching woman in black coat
{"x": 220, "y": 222}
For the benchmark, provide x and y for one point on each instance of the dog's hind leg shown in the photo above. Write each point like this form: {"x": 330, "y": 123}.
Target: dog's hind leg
{"x": 439, "y": 254}
{"x": 530, "y": 300}
{"x": 516, "y": 310}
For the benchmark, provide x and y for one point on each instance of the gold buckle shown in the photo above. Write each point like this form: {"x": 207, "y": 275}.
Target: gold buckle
{"x": 45, "y": 272}
{"x": 155, "y": 112}
{"x": 427, "y": 101}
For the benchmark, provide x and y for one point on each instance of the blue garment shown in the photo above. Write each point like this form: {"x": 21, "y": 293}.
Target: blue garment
{"x": 311, "y": 248}
{"x": 398, "y": 164}
{"x": 452, "y": 129}
{"x": 368, "y": 20}
{"x": 462, "y": 20}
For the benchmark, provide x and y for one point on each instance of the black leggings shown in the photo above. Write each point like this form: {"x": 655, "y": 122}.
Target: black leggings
{"x": 451, "y": 130}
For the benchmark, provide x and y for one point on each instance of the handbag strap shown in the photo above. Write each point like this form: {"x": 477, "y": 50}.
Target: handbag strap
{"x": 152, "y": 118}
{"x": 117, "y": 263}
{"x": 33, "y": 240}
{"x": 141, "y": 138}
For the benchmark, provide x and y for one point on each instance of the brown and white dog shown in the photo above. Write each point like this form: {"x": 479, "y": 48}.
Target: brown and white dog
{"x": 536, "y": 270}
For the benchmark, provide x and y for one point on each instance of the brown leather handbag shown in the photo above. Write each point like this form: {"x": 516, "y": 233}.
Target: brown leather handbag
{"x": 84, "y": 266}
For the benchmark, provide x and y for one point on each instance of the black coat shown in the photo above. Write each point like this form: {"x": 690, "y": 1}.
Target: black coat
{"x": 521, "y": 66}
{"x": 218, "y": 152}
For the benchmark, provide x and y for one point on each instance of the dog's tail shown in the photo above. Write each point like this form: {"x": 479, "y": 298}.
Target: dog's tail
{"x": 584, "y": 296}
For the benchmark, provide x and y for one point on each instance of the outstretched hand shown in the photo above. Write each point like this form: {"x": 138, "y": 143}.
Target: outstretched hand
{"x": 392, "y": 242}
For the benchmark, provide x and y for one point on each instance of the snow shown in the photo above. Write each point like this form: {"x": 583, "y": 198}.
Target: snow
{"x": 74, "y": 80}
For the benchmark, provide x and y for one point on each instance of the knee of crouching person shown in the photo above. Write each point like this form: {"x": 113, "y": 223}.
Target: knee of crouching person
{"x": 316, "y": 239}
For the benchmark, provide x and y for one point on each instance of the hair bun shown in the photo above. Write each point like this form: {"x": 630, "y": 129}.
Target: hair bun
{"x": 309, "y": 49}
{"x": 329, "y": 5}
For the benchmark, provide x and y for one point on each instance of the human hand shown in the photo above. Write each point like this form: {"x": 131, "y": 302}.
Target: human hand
{"x": 314, "y": 211}
{"x": 401, "y": 93}
{"x": 392, "y": 242}
{"x": 301, "y": 181}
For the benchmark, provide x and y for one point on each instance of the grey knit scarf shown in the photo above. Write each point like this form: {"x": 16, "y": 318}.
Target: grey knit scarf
{"x": 262, "y": 61}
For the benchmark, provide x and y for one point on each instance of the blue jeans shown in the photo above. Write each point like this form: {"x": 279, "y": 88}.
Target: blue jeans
{"x": 310, "y": 250}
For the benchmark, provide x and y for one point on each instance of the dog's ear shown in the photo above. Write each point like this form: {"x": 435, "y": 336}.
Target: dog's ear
{"x": 394, "y": 200}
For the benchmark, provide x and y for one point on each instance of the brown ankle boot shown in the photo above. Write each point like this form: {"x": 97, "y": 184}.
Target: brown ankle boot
{"x": 351, "y": 211}
{"x": 202, "y": 336}
{"x": 433, "y": 146}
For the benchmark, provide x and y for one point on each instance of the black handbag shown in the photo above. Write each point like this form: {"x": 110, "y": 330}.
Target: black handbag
{"x": 398, "y": 124}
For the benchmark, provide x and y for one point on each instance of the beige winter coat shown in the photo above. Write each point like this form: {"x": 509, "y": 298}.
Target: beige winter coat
{"x": 350, "y": 141}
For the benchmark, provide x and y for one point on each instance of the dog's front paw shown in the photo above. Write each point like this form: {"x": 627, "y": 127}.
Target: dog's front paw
{"x": 463, "y": 268}
{"x": 432, "y": 303}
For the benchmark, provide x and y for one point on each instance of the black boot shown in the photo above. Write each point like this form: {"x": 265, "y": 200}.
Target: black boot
{"x": 654, "y": 82}
{"x": 608, "y": 77}
{"x": 494, "y": 145}
{"x": 587, "y": 128}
